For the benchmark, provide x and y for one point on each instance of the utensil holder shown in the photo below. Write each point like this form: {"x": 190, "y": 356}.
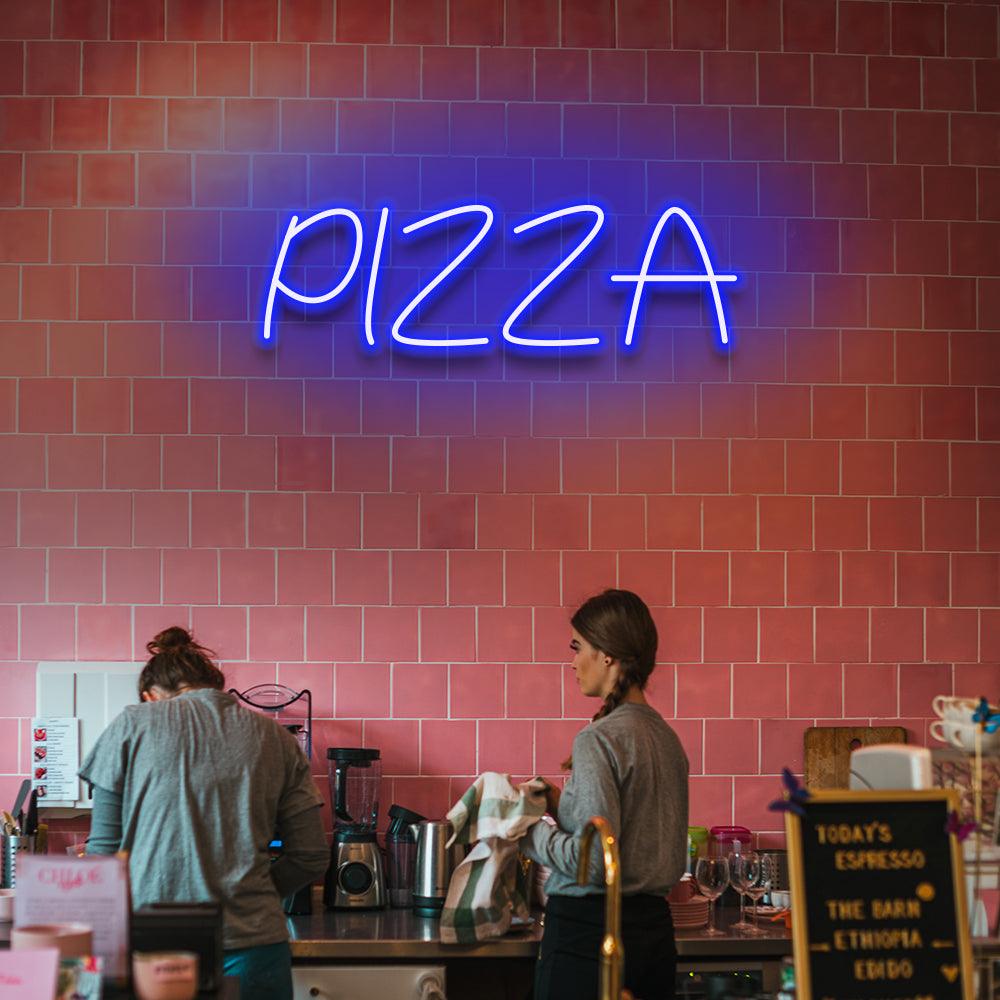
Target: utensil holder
{"x": 12, "y": 847}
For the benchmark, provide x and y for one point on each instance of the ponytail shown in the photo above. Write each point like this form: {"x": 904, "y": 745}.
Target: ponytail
{"x": 176, "y": 661}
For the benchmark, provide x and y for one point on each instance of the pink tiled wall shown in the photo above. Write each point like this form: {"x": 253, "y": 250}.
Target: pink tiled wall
{"x": 814, "y": 517}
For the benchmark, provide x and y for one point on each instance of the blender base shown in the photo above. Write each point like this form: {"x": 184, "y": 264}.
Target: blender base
{"x": 355, "y": 879}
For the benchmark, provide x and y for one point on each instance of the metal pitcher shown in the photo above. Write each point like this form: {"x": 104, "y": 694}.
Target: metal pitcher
{"x": 435, "y": 863}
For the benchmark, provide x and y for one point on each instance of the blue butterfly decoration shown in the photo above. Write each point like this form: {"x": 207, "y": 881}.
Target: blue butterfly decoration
{"x": 988, "y": 721}
{"x": 795, "y": 797}
{"x": 957, "y": 827}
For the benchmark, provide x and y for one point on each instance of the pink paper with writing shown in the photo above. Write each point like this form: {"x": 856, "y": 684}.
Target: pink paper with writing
{"x": 29, "y": 974}
{"x": 94, "y": 891}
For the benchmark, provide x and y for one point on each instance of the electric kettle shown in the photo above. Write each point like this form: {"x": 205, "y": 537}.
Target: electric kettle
{"x": 435, "y": 863}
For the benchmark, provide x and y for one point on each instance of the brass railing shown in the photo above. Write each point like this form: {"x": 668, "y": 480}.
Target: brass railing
{"x": 612, "y": 951}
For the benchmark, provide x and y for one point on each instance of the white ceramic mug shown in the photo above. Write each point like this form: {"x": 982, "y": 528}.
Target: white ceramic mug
{"x": 954, "y": 708}
{"x": 963, "y": 735}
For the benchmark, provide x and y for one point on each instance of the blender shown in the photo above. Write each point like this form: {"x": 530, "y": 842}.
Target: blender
{"x": 401, "y": 854}
{"x": 355, "y": 878}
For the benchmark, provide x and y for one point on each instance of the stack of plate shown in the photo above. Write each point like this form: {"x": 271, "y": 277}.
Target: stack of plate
{"x": 691, "y": 914}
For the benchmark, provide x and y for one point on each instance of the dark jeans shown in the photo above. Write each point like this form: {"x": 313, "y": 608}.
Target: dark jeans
{"x": 568, "y": 963}
{"x": 265, "y": 972}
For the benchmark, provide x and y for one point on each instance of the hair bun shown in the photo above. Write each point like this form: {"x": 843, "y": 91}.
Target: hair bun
{"x": 174, "y": 637}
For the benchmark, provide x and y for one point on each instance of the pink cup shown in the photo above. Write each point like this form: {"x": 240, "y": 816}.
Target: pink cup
{"x": 72, "y": 940}
{"x": 165, "y": 975}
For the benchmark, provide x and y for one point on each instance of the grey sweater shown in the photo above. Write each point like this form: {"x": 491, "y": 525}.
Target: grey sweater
{"x": 630, "y": 768}
{"x": 204, "y": 784}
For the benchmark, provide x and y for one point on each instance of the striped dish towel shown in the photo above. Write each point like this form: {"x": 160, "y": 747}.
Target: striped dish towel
{"x": 490, "y": 887}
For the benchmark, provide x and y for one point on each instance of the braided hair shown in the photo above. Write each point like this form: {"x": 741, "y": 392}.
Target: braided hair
{"x": 618, "y": 623}
{"x": 176, "y": 661}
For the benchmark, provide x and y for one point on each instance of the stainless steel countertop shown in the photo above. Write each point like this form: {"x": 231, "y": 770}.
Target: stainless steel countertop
{"x": 394, "y": 934}
{"x": 401, "y": 934}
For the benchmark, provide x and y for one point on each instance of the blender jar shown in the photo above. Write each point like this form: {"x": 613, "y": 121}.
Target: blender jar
{"x": 354, "y": 775}
{"x": 401, "y": 855}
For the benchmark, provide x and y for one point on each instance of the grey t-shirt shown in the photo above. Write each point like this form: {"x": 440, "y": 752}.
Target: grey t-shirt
{"x": 205, "y": 785}
{"x": 630, "y": 768}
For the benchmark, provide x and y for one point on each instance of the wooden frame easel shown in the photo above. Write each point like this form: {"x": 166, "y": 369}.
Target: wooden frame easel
{"x": 800, "y": 928}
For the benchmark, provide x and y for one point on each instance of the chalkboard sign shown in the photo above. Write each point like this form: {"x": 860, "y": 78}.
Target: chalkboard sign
{"x": 878, "y": 897}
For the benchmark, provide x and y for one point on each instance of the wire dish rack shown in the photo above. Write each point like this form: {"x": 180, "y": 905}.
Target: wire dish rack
{"x": 292, "y": 709}
{"x": 977, "y": 779}
{"x": 957, "y": 769}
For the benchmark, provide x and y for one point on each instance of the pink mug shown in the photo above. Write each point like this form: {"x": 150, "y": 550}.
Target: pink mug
{"x": 72, "y": 940}
{"x": 165, "y": 975}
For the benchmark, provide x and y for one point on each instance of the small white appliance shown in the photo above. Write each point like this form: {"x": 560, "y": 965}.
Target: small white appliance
{"x": 356, "y": 982}
{"x": 890, "y": 765}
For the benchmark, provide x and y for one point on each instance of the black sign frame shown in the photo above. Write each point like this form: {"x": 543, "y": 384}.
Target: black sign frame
{"x": 943, "y": 802}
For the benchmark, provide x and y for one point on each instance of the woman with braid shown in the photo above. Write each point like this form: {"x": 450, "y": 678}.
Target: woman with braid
{"x": 628, "y": 766}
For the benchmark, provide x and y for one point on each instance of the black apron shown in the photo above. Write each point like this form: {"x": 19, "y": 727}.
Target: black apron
{"x": 569, "y": 957}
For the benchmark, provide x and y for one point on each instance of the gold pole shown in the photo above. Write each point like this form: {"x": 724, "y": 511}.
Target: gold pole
{"x": 977, "y": 806}
{"x": 612, "y": 950}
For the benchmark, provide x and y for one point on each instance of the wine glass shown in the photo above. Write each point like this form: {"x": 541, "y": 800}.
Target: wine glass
{"x": 712, "y": 876}
{"x": 743, "y": 870}
{"x": 767, "y": 868}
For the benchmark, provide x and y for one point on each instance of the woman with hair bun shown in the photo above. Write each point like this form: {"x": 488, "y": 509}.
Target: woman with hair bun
{"x": 195, "y": 786}
{"x": 628, "y": 766}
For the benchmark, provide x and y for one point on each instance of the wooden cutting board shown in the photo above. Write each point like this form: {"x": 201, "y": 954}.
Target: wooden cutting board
{"x": 828, "y": 751}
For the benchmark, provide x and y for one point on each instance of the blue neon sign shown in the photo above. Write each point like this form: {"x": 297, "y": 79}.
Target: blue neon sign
{"x": 485, "y": 215}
